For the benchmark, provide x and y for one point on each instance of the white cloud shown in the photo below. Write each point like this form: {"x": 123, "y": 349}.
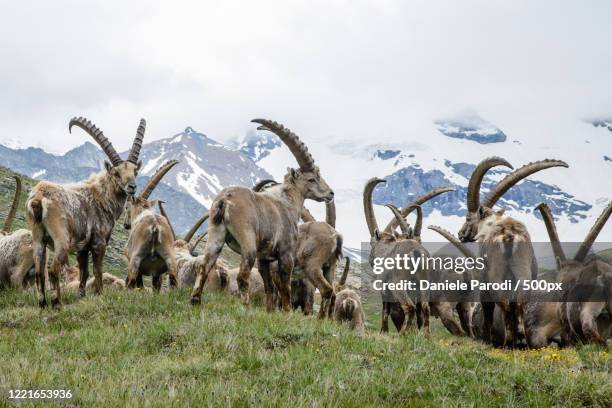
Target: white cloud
{"x": 364, "y": 69}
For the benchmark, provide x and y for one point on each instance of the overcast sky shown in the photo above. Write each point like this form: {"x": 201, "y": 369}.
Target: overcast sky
{"x": 368, "y": 69}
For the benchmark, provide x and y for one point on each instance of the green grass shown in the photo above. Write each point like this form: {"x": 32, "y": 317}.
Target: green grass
{"x": 141, "y": 349}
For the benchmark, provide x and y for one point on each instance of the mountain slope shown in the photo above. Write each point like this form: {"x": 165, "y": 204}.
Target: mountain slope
{"x": 205, "y": 167}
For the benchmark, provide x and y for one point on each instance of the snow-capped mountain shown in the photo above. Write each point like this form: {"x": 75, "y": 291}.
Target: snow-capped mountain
{"x": 205, "y": 166}
{"x": 445, "y": 155}
{"x": 77, "y": 164}
{"x": 471, "y": 127}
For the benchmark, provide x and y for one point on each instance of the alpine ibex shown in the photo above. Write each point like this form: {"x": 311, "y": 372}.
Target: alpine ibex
{"x": 189, "y": 264}
{"x": 81, "y": 216}
{"x": 72, "y": 280}
{"x": 318, "y": 250}
{"x": 463, "y": 306}
{"x": 347, "y": 305}
{"x": 264, "y": 226}
{"x": 400, "y": 305}
{"x": 505, "y": 242}
{"x": 150, "y": 245}
{"x": 16, "y": 256}
{"x": 575, "y": 320}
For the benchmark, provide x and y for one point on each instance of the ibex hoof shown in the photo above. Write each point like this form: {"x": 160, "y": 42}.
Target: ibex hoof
{"x": 56, "y": 304}
{"x": 42, "y": 303}
{"x": 82, "y": 293}
{"x": 196, "y": 300}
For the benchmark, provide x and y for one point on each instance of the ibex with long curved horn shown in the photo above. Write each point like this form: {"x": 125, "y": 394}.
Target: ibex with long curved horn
{"x": 505, "y": 242}
{"x": 81, "y": 216}
{"x": 400, "y": 305}
{"x": 318, "y": 250}
{"x": 264, "y": 226}
{"x": 150, "y": 245}
{"x": 575, "y": 320}
{"x": 16, "y": 256}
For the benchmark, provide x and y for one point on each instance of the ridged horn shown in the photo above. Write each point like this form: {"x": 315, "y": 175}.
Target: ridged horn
{"x": 262, "y": 184}
{"x": 330, "y": 213}
{"x": 137, "y": 145}
{"x": 98, "y": 136}
{"x": 473, "y": 190}
{"x": 157, "y": 177}
{"x": 345, "y": 272}
{"x": 10, "y": 218}
{"x": 400, "y": 220}
{"x": 517, "y": 175}
{"x": 293, "y": 142}
{"x": 586, "y": 245}
{"x": 420, "y": 200}
{"x": 551, "y": 228}
{"x": 196, "y": 226}
{"x": 367, "y": 205}
{"x": 162, "y": 211}
{"x": 197, "y": 241}
{"x": 418, "y": 226}
{"x": 453, "y": 240}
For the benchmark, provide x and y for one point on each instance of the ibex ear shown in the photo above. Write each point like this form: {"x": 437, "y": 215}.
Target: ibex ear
{"x": 558, "y": 262}
{"x": 377, "y": 235}
{"x": 501, "y": 212}
{"x": 138, "y": 165}
{"x": 108, "y": 166}
{"x": 292, "y": 172}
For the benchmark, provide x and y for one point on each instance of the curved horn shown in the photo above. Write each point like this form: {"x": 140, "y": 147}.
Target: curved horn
{"x": 330, "y": 213}
{"x": 347, "y": 267}
{"x": 162, "y": 211}
{"x": 137, "y": 145}
{"x": 367, "y": 205}
{"x": 418, "y": 226}
{"x": 453, "y": 240}
{"x": 400, "y": 220}
{"x": 586, "y": 245}
{"x": 297, "y": 147}
{"x": 195, "y": 227}
{"x": 154, "y": 181}
{"x": 517, "y": 175}
{"x": 306, "y": 215}
{"x": 473, "y": 190}
{"x": 13, "y": 211}
{"x": 549, "y": 222}
{"x": 197, "y": 241}
{"x": 420, "y": 200}
{"x": 261, "y": 184}
{"x": 98, "y": 136}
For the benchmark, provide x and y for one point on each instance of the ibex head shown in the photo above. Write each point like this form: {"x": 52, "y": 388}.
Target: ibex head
{"x": 123, "y": 172}
{"x": 307, "y": 177}
{"x": 311, "y": 184}
{"x": 481, "y": 216}
{"x": 134, "y": 206}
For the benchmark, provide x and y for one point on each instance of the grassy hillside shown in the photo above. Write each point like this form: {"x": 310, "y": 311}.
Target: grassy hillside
{"x": 141, "y": 349}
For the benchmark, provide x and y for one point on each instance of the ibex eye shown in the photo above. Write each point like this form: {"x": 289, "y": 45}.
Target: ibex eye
{"x": 312, "y": 180}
